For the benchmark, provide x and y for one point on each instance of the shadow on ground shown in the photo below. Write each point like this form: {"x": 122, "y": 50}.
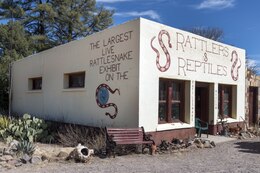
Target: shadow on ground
{"x": 248, "y": 147}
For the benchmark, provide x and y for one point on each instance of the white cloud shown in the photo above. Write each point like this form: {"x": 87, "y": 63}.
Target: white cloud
{"x": 149, "y": 13}
{"x": 112, "y": 1}
{"x": 215, "y": 4}
{"x": 110, "y": 7}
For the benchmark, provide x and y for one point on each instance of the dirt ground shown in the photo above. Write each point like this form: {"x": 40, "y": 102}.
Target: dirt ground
{"x": 234, "y": 156}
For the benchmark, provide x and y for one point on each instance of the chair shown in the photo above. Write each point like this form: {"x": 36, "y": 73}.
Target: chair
{"x": 201, "y": 126}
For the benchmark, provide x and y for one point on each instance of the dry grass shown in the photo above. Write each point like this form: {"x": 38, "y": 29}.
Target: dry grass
{"x": 70, "y": 135}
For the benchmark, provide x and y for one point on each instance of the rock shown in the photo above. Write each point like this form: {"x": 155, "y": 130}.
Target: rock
{"x": 245, "y": 135}
{"x": 13, "y": 145}
{"x": 18, "y": 164}
{"x": 212, "y": 143}
{"x": 193, "y": 146}
{"x": 63, "y": 154}
{"x": 8, "y": 152}
{"x": 6, "y": 158}
{"x": 176, "y": 141}
{"x": 36, "y": 159}
{"x": 25, "y": 158}
{"x": 146, "y": 151}
{"x": 207, "y": 144}
{"x": 198, "y": 143}
{"x": 45, "y": 157}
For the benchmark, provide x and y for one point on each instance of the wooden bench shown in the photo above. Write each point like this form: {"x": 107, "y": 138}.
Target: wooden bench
{"x": 126, "y": 136}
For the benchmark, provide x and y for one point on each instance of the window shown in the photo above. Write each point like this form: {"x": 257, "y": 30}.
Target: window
{"x": 74, "y": 80}
{"x": 171, "y": 100}
{"x": 225, "y": 101}
{"x": 35, "y": 83}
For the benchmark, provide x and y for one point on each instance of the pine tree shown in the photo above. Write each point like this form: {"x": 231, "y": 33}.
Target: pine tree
{"x": 14, "y": 45}
{"x": 78, "y": 18}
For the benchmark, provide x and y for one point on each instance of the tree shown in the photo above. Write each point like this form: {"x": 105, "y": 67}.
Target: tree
{"x": 14, "y": 45}
{"x": 10, "y": 9}
{"x": 37, "y": 25}
{"x": 78, "y": 18}
{"x": 54, "y": 22}
{"x": 215, "y": 34}
{"x": 252, "y": 66}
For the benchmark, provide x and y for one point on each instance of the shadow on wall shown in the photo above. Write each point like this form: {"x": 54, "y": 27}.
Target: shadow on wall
{"x": 248, "y": 147}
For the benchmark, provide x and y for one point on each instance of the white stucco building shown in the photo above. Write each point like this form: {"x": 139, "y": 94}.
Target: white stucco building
{"x": 140, "y": 73}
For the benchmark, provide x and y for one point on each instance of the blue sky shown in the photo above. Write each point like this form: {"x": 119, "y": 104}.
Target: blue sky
{"x": 239, "y": 19}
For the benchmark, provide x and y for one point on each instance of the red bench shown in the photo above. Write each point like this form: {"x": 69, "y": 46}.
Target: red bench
{"x": 127, "y": 136}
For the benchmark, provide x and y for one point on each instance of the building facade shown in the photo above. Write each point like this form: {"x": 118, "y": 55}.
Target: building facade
{"x": 140, "y": 73}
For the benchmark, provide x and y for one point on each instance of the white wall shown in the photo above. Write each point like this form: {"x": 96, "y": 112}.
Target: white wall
{"x": 79, "y": 105}
{"x": 192, "y": 58}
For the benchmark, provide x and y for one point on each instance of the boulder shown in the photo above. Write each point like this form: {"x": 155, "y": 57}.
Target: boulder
{"x": 212, "y": 143}
{"x": 13, "y": 145}
{"x": 36, "y": 159}
{"x": 207, "y": 144}
{"x": 198, "y": 143}
{"x": 25, "y": 158}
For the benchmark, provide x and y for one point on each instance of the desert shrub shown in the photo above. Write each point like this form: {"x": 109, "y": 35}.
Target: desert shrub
{"x": 26, "y": 128}
{"x": 70, "y": 135}
{"x": 4, "y": 122}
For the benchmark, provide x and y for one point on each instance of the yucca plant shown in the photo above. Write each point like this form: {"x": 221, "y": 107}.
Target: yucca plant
{"x": 25, "y": 147}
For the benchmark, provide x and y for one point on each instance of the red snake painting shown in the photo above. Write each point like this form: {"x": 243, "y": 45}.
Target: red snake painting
{"x": 102, "y": 97}
{"x": 168, "y": 58}
{"x": 234, "y": 57}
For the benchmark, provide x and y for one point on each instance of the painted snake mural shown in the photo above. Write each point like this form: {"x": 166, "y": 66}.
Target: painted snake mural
{"x": 168, "y": 58}
{"x": 102, "y": 97}
{"x": 234, "y": 57}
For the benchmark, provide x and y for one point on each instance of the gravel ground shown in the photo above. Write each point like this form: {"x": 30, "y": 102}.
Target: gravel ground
{"x": 235, "y": 156}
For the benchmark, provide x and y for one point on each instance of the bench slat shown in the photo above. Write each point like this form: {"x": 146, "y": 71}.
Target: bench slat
{"x": 126, "y": 136}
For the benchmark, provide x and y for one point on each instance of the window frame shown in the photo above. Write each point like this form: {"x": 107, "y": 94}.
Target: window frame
{"x": 33, "y": 84}
{"x": 169, "y": 100}
{"x": 221, "y": 94}
{"x": 69, "y": 84}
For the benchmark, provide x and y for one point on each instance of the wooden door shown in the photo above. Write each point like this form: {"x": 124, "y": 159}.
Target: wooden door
{"x": 252, "y": 105}
{"x": 202, "y": 103}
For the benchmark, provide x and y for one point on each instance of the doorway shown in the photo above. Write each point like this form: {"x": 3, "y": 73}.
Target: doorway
{"x": 202, "y": 101}
{"x": 253, "y": 93}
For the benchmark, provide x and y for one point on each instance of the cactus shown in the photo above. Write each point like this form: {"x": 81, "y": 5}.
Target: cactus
{"x": 26, "y": 128}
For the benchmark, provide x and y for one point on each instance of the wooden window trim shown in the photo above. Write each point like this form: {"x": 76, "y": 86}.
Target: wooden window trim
{"x": 222, "y": 88}
{"x": 70, "y": 78}
{"x": 169, "y": 101}
{"x": 33, "y": 83}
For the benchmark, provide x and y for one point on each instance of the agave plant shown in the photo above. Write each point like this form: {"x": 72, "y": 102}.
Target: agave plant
{"x": 25, "y": 147}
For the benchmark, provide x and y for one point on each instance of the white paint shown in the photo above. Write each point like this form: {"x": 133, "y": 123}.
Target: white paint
{"x": 149, "y": 74}
{"x": 138, "y": 100}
